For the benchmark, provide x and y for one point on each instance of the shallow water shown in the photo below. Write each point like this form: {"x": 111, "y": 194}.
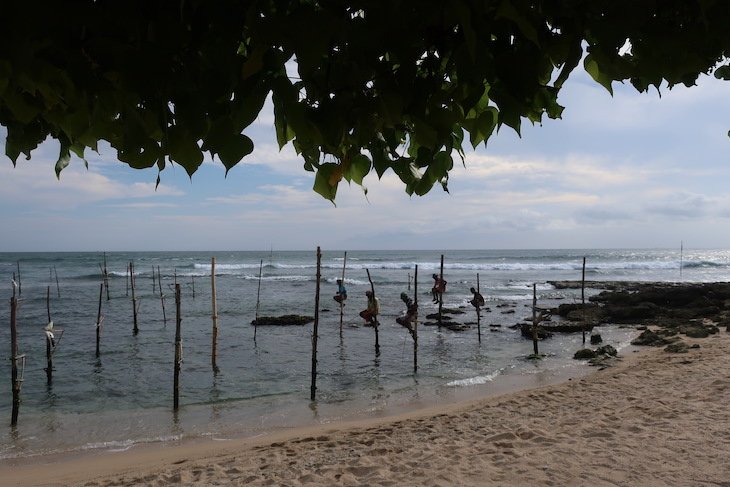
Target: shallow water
{"x": 125, "y": 396}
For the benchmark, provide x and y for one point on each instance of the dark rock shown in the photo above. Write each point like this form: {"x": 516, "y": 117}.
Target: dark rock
{"x": 284, "y": 320}
{"x": 596, "y": 339}
{"x": 603, "y": 361}
{"x": 650, "y": 338}
{"x": 454, "y": 326}
{"x": 695, "y": 331}
{"x": 568, "y": 327}
{"x": 509, "y": 311}
{"x": 695, "y": 345}
{"x": 677, "y": 347}
{"x": 542, "y": 333}
{"x": 629, "y": 313}
{"x": 435, "y": 316}
{"x": 566, "y": 308}
{"x": 495, "y": 326}
{"x": 584, "y": 354}
{"x": 452, "y": 311}
{"x": 607, "y": 350}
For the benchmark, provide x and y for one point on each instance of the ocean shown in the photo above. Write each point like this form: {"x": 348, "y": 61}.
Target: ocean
{"x": 124, "y": 397}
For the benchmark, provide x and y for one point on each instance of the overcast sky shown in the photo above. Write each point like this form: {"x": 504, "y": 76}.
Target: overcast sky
{"x": 628, "y": 171}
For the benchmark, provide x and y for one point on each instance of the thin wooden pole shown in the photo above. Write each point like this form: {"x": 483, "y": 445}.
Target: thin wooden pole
{"x": 192, "y": 280}
{"x": 15, "y": 382}
{"x": 409, "y": 281}
{"x": 58, "y": 287}
{"x": 174, "y": 275}
{"x": 48, "y": 303}
{"x": 126, "y": 275}
{"x": 315, "y": 330}
{"x": 534, "y": 318}
{"x": 162, "y": 296}
{"x": 583, "y": 298}
{"x": 134, "y": 297}
{"x": 98, "y": 322}
{"x": 49, "y": 344}
{"x": 375, "y": 324}
{"x": 415, "y": 321}
{"x": 178, "y": 350}
{"x": 342, "y": 304}
{"x": 479, "y": 314}
{"x": 441, "y": 295}
{"x": 105, "y": 273}
{"x": 215, "y": 315}
{"x": 258, "y": 300}
{"x": 20, "y": 286}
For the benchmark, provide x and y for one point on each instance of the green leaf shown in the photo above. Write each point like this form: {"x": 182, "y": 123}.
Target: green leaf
{"x": 592, "y": 68}
{"x": 327, "y": 179}
{"x": 235, "y": 148}
{"x": 358, "y": 168}
{"x": 64, "y": 158}
{"x": 483, "y": 127}
{"x": 723, "y": 72}
{"x": 184, "y": 150}
{"x": 508, "y": 11}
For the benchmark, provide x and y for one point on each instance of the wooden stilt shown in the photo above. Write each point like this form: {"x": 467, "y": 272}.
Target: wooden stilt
{"x": 415, "y": 321}
{"x": 313, "y": 387}
{"x": 15, "y": 380}
{"x": 58, "y": 287}
{"x": 441, "y": 295}
{"x": 342, "y": 303}
{"x": 583, "y": 298}
{"x": 258, "y": 300}
{"x": 98, "y": 322}
{"x": 126, "y": 275}
{"x": 375, "y": 323}
{"x": 534, "y": 318}
{"x": 479, "y": 313}
{"x": 192, "y": 281}
{"x": 49, "y": 342}
{"x": 162, "y": 296}
{"x": 20, "y": 285}
{"x": 178, "y": 350}
{"x": 105, "y": 274}
{"x": 214, "y": 351}
{"x": 134, "y": 297}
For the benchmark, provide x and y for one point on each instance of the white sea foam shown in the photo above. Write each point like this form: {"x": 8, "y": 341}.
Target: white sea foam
{"x": 475, "y": 381}
{"x": 482, "y": 266}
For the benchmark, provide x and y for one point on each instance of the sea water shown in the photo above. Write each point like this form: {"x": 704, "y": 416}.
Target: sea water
{"x": 124, "y": 397}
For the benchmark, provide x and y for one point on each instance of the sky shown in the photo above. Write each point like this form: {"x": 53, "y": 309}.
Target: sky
{"x": 629, "y": 171}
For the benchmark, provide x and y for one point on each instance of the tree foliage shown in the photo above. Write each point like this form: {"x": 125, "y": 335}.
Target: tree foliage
{"x": 378, "y": 85}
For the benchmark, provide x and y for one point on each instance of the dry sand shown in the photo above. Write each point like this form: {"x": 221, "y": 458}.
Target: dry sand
{"x": 656, "y": 419}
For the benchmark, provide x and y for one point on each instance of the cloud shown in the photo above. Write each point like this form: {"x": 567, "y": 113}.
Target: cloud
{"x": 35, "y": 184}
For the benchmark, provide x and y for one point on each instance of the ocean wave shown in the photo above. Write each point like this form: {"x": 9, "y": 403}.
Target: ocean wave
{"x": 111, "y": 446}
{"x": 485, "y": 266}
{"x": 475, "y": 381}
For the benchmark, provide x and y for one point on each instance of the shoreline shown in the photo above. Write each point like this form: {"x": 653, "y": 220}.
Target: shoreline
{"x": 654, "y": 419}
{"x": 433, "y": 401}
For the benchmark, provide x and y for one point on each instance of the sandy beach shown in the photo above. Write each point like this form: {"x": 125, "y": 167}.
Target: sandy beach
{"x": 655, "y": 419}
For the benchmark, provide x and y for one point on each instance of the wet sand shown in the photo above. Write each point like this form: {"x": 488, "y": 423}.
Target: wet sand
{"x": 655, "y": 419}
